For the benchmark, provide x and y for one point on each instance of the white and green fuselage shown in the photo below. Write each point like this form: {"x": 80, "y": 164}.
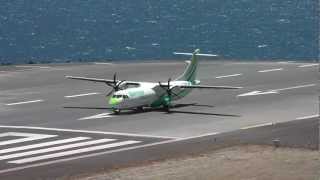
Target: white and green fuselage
{"x": 147, "y": 95}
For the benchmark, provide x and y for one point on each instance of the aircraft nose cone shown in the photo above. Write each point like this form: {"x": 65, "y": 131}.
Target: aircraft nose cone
{"x": 114, "y": 101}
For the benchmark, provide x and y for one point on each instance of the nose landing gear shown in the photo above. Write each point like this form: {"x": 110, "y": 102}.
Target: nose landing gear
{"x": 116, "y": 111}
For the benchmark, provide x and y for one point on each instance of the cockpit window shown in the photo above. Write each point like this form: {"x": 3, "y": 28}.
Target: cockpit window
{"x": 120, "y": 96}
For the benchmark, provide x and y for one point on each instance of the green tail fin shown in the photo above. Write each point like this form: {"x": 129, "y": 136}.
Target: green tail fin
{"x": 191, "y": 71}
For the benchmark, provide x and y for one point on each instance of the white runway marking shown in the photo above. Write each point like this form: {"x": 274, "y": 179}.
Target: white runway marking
{"x": 43, "y": 67}
{"x": 80, "y": 95}
{"x": 57, "y": 148}
{"x": 258, "y": 125}
{"x": 24, "y": 102}
{"x": 87, "y": 131}
{"x": 274, "y": 91}
{"x": 20, "y": 148}
{"x": 285, "y": 62}
{"x": 255, "y": 93}
{"x": 72, "y": 152}
{"x": 102, "y": 63}
{"x": 98, "y": 116}
{"x": 271, "y": 70}
{"x": 307, "y": 117}
{"x": 295, "y": 87}
{"x": 232, "y": 75}
{"x": 88, "y": 155}
{"x": 200, "y": 136}
{"x": 26, "y": 137}
{"x": 308, "y": 65}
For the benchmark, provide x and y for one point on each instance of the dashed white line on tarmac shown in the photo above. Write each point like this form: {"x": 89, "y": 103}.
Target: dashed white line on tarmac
{"x": 274, "y": 91}
{"x": 80, "y": 95}
{"x": 308, "y": 65}
{"x": 258, "y": 125}
{"x": 231, "y": 75}
{"x": 307, "y": 117}
{"x": 255, "y": 93}
{"x": 24, "y": 102}
{"x": 43, "y": 67}
{"x": 98, "y": 116}
{"x": 199, "y": 136}
{"x": 271, "y": 70}
{"x": 295, "y": 87}
{"x": 285, "y": 62}
{"x": 102, "y": 63}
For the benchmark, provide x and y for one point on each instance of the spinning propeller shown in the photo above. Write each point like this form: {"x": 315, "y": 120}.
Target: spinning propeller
{"x": 116, "y": 84}
{"x": 169, "y": 92}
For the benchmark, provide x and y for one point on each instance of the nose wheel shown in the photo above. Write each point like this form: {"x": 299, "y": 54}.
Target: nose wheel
{"x": 116, "y": 111}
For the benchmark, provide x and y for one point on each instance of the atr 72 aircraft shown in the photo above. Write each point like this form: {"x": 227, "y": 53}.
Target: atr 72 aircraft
{"x": 137, "y": 95}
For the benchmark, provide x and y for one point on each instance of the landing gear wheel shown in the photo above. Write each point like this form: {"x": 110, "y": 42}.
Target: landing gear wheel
{"x": 167, "y": 108}
{"x": 116, "y": 111}
{"x": 140, "y": 109}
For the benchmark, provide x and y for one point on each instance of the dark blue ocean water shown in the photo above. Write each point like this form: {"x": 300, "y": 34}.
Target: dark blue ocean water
{"x": 81, "y": 30}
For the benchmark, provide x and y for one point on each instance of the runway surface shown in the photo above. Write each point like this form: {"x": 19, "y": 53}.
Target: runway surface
{"x": 47, "y": 120}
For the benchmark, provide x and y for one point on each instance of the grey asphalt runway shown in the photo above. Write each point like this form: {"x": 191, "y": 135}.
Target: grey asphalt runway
{"x": 38, "y": 101}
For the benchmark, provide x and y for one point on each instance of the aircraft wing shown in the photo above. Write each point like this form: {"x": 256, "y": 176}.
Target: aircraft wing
{"x": 107, "y": 81}
{"x": 209, "y": 87}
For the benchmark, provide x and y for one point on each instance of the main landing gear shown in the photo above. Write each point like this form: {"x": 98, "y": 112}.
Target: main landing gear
{"x": 140, "y": 109}
{"x": 166, "y": 108}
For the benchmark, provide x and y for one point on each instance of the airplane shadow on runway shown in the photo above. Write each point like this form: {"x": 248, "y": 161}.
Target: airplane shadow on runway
{"x": 204, "y": 113}
{"x": 172, "y": 110}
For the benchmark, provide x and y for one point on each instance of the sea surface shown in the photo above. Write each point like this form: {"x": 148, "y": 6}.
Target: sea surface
{"x": 45, "y": 31}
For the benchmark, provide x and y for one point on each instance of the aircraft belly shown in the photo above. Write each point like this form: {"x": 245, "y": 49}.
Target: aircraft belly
{"x": 142, "y": 101}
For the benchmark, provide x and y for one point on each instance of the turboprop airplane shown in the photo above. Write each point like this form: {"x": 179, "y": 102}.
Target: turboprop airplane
{"x": 153, "y": 94}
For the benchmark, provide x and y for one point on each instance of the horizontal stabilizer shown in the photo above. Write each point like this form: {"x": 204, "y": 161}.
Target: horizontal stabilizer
{"x": 198, "y": 54}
